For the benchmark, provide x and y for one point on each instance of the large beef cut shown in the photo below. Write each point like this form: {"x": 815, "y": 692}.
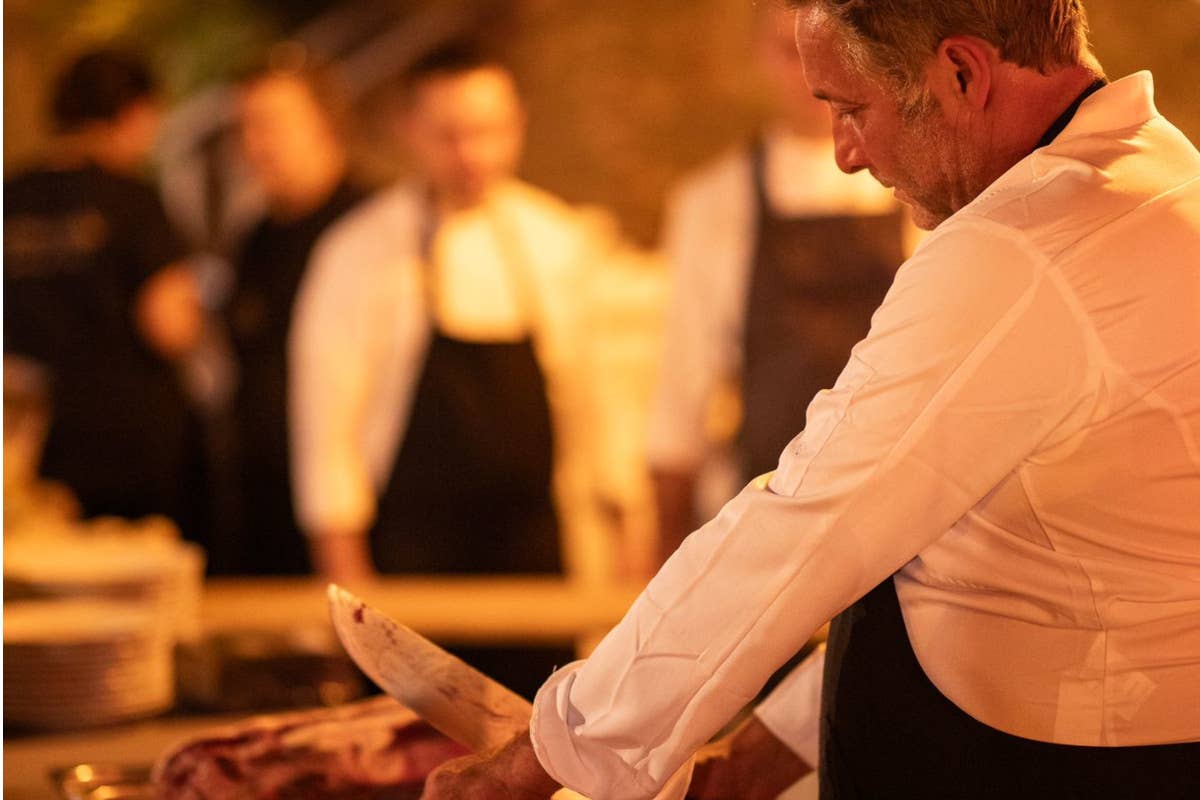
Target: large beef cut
{"x": 373, "y": 750}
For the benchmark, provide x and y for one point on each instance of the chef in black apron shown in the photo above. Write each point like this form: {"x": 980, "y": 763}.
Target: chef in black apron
{"x": 887, "y": 731}
{"x": 814, "y": 283}
{"x": 422, "y": 431}
{"x": 470, "y": 492}
{"x": 811, "y": 274}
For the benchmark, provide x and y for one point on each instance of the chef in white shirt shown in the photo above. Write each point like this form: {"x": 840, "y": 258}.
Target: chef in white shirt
{"x": 1017, "y": 441}
{"x": 778, "y": 260}
{"x": 437, "y": 406}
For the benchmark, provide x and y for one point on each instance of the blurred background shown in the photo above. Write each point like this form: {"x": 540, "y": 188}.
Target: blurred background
{"x": 624, "y": 95}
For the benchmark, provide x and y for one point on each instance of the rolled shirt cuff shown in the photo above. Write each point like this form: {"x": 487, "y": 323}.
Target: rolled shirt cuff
{"x": 598, "y": 772}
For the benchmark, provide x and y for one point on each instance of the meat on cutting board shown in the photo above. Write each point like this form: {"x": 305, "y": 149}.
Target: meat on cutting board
{"x": 371, "y": 750}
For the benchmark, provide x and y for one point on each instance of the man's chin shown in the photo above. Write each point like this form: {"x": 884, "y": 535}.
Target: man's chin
{"x": 921, "y": 216}
{"x": 926, "y": 220}
{"x": 465, "y": 198}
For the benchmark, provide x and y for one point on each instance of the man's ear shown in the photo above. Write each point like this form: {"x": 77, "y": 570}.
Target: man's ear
{"x": 963, "y": 70}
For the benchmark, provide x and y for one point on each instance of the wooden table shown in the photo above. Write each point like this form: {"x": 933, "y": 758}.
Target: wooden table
{"x": 467, "y": 610}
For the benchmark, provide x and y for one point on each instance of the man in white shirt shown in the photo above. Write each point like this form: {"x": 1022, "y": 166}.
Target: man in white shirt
{"x": 435, "y": 408}
{"x": 778, "y": 260}
{"x": 1017, "y": 440}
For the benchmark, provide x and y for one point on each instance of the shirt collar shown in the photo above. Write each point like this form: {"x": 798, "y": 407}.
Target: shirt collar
{"x": 1124, "y": 103}
{"x": 1066, "y": 116}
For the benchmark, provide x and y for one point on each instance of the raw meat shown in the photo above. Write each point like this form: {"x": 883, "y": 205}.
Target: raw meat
{"x": 372, "y": 750}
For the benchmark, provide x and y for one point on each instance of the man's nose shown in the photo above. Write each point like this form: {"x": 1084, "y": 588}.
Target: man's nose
{"x": 848, "y": 150}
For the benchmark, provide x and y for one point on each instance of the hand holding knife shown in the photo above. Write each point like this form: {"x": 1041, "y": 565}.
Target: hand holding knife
{"x": 455, "y": 698}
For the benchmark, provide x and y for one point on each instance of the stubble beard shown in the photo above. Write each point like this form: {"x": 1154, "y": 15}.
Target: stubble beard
{"x": 942, "y": 164}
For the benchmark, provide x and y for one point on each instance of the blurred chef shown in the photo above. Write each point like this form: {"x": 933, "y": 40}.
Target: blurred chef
{"x": 434, "y": 389}
{"x": 778, "y": 260}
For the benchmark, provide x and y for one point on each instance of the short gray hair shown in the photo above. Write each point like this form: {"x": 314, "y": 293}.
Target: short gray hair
{"x": 893, "y": 39}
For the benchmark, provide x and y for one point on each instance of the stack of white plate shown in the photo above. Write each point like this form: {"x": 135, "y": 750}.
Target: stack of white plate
{"x": 78, "y": 663}
{"x": 108, "y": 558}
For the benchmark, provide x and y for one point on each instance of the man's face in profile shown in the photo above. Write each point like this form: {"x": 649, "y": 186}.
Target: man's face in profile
{"x": 912, "y": 153}
{"x": 465, "y": 132}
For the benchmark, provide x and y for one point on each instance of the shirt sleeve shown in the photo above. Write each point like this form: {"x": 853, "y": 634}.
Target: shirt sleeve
{"x": 706, "y": 241}
{"x": 793, "y": 710}
{"x": 329, "y": 356}
{"x": 973, "y": 361}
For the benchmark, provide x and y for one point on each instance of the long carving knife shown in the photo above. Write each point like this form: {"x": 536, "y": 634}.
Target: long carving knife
{"x": 446, "y": 692}
{"x": 449, "y": 694}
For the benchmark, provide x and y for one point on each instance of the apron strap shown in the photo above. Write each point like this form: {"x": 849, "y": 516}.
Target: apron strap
{"x": 758, "y": 177}
{"x": 514, "y": 255}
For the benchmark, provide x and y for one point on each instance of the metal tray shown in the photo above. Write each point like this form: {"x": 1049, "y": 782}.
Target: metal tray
{"x": 103, "y": 782}
{"x": 132, "y": 782}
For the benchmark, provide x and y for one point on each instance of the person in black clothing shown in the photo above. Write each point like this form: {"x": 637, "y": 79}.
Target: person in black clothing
{"x": 98, "y": 292}
{"x": 290, "y": 136}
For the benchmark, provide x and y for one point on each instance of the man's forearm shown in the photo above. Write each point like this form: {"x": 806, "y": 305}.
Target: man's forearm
{"x": 167, "y": 311}
{"x": 755, "y": 765}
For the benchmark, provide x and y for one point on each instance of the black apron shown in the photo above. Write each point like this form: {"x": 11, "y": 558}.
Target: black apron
{"x": 470, "y": 492}
{"x": 887, "y": 732}
{"x": 814, "y": 283}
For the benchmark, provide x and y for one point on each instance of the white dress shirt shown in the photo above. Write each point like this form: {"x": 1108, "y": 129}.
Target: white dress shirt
{"x": 360, "y": 330}
{"x": 709, "y": 240}
{"x": 1018, "y": 436}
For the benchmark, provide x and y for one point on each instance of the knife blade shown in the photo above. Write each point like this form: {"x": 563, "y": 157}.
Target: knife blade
{"x": 445, "y": 691}
{"x": 449, "y": 694}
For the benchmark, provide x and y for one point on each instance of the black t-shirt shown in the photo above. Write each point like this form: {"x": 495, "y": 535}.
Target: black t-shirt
{"x": 78, "y": 244}
{"x": 270, "y": 268}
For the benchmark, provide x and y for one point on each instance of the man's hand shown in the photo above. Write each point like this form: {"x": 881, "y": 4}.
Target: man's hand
{"x": 752, "y": 764}
{"x": 509, "y": 773}
{"x": 342, "y": 557}
{"x": 168, "y": 313}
